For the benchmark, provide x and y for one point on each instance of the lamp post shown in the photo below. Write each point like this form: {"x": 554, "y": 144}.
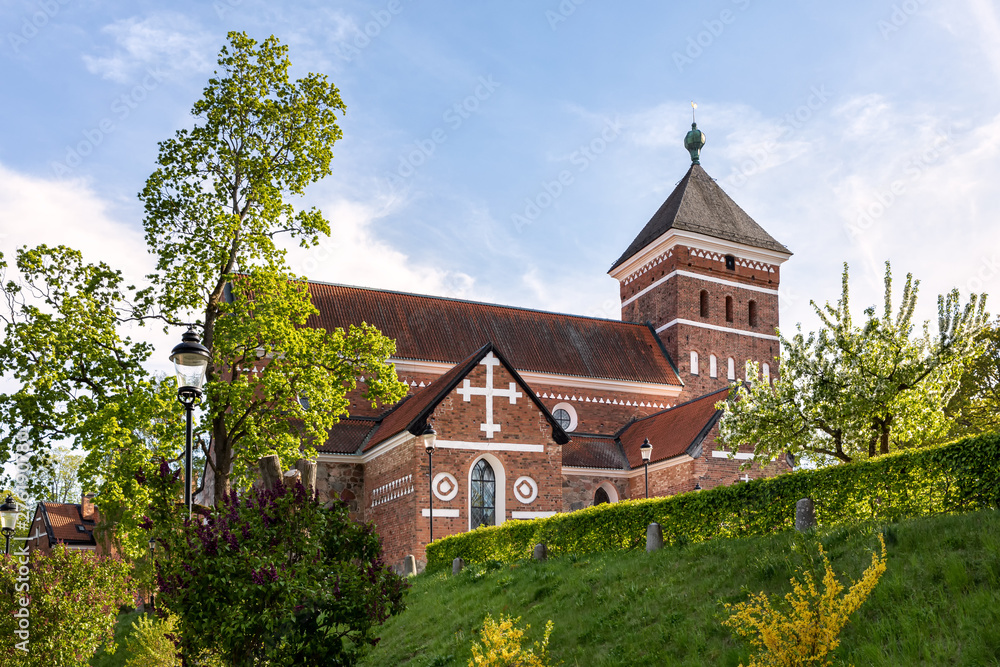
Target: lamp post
{"x": 152, "y": 557}
{"x": 646, "y": 450}
{"x": 8, "y": 520}
{"x": 429, "y": 436}
{"x": 190, "y": 359}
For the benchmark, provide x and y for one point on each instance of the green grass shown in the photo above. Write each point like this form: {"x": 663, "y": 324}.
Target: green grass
{"x": 123, "y": 628}
{"x": 937, "y": 604}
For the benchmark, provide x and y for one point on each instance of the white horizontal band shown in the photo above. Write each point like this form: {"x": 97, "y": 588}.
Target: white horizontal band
{"x": 489, "y": 446}
{"x": 443, "y": 513}
{"x": 531, "y": 515}
{"x": 723, "y": 454}
{"x": 710, "y": 279}
{"x": 716, "y": 327}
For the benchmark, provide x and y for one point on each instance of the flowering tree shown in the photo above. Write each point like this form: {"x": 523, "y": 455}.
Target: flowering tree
{"x": 858, "y": 391}
{"x": 272, "y": 577}
{"x": 72, "y": 601}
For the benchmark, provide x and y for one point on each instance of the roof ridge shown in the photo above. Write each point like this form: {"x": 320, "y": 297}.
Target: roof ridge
{"x": 476, "y": 303}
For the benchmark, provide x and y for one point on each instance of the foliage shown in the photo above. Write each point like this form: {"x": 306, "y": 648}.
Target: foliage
{"x": 809, "y": 627}
{"x": 500, "y": 645}
{"x": 974, "y": 407}
{"x": 60, "y": 475}
{"x": 273, "y": 577}
{"x": 959, "y": 476}
{"x": 73, "y": 599}
{"x": 852, "y": 392}
{"x": 151, "y": 643}
{"x": 213, "y": 208}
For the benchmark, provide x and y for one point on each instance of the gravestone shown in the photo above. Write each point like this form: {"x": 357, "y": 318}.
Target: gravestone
{"x": 805, "y": 514}
{"x": 409, "y": 566}
{"x": 654, "y": 537}
{"x": 540, "y": 552}
{"x": 457, "y": 565}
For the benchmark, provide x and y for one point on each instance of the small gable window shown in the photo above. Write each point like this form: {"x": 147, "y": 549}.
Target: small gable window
{"x": 562, "y": 417}
{"x": 730, "y": 263}
{"x": 694, "y": 362}
{"x": 752, "y": 308}
{"x": 704, "y": 303}
{"x": 484, "y": 491}
{"x": 565, "y": 414}
{"x": 729, "y": 309}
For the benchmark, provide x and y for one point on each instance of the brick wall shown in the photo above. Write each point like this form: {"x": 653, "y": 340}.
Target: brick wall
{"x": 395, "y": 519}
{"x": 579, "y": 490}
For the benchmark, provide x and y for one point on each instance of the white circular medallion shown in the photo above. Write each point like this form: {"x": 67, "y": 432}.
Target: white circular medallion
{"x": 525, "y": 490}
{"x": 445, "y": 486}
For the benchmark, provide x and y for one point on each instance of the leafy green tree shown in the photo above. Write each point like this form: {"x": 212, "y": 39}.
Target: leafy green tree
{"x": 60, "y": 475}
{"x": 72, "y": 600}
{"x": 858, "y": 391}
{"x": 975, "y": 407}
{"x": 213, "y": 208}
{"x": 272, "y": 577}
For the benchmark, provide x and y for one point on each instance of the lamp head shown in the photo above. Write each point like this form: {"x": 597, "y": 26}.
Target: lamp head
{"x": 8, "y": 515}
{"x": 191, "y": 360}
{"x": 429, "y": 436}
{"x": 646, "y": 450}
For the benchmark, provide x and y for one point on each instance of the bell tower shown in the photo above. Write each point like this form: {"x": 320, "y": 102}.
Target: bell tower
{"x": 705, "y": 276}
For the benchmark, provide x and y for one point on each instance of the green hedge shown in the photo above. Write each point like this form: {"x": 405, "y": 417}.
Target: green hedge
{"x": 959, "y": 476}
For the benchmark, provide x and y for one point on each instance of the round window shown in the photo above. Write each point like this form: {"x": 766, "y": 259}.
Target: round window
{"x": 562, "y": 416}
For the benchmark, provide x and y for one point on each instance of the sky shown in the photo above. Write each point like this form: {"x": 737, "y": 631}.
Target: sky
{"x": 853, "y": 132}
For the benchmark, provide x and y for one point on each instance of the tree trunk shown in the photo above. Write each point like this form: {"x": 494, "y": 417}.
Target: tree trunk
{"x": 223, "y": 458}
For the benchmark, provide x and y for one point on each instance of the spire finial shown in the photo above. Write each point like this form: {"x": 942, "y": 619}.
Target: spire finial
{"x": 694, "y": 141}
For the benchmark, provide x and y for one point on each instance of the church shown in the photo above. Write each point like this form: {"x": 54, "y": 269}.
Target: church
{"x": 536, "y": 412}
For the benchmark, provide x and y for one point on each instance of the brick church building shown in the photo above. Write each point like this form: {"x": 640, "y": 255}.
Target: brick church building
{"x": 538, "y": 412}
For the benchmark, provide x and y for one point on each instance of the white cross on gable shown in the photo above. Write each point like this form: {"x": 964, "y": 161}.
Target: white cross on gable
{"x": 489, "y": 391}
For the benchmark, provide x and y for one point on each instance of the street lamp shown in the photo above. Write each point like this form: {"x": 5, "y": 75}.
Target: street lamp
{"x": 646, "y": 450}
{"x": 429, "y": 436}
{"x": 8, "y": 520}
{"x": 190, "y": 359}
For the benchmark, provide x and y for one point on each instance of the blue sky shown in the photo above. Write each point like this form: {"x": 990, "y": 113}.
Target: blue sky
{"x": 851, "y": 131}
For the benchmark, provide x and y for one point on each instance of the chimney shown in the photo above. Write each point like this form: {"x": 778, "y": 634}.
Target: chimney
{"x": 87, "y": 506}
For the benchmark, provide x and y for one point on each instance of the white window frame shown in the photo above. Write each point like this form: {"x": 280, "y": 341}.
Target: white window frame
{"x": 713, "y": 366}
{"x": 500, "y": 477}
{"x": 572, "y": 415}
{"x": 731, "y": 369}
{"x": 694, "y": 363}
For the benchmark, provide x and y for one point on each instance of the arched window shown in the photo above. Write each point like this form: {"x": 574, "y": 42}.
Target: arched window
{"x": 484, "y": 491}
{"x": 729, "y": 309}
{"x": 731, "y": 369}
{"x": 713, "y": 366}
{"x": 753, "y": 313}
{"x": 694, "y": 362}
{"x": 601, "y": 497}
{"x": 704, "y": 303}
{"x": 766, "y": 370}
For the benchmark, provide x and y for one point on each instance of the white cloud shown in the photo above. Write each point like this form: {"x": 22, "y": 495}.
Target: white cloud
{"x": 166, "y": 42}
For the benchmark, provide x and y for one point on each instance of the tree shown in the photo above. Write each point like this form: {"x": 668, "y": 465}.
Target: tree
{"x": 975, "y": 406}
{"x": 60, "y": 475}
{"x": 272, "y": 577}
{"x": 858, "y": 391}
{"x": 213, "y": 208}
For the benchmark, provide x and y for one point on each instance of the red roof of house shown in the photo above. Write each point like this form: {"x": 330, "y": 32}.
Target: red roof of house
{"x": 431, "y": 328}
{"x": 672, "y": 432}
{"x": 63, "y": 523}
{"x": 593, "y": 452}
{"x": 347, "y": 436}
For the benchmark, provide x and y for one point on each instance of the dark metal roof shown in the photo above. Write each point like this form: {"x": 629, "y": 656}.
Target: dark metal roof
{"x": 594, "y": 452}
{"x": 699, "y": 205}
{"x": 449, "y": 330}
{"x": 347, "y": 436}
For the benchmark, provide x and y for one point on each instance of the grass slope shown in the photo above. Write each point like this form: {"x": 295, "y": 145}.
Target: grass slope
{"x": 938, "y": 603}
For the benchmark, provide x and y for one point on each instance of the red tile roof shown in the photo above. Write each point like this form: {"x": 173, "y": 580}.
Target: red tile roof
{"x": 672, "y": 431}
{"x": 347, "y": 436}
{"x": 431, "y": 328}
{"x": 62, "y": 520}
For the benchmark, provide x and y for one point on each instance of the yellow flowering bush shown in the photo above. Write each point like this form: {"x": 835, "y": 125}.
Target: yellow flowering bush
{"x": 500, "y": 645}
{"x": 809, "y": 629}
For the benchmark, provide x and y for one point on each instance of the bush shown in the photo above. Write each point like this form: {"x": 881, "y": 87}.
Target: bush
{"x": 73, "y": 601}
{"x": 956, "y": 477}
{"x": 273, "y": 577}
{"x": 501, "y": 645}
{"x": 151, "y": 643}
{"x": 808, "y": 629}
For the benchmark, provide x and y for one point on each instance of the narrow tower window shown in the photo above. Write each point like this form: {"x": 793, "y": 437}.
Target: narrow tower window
{"x": 694, "y": 362}
{"x": 753, "y": 313}
{"x": 766, "y": 370}
{"x": 731, "y": 369}
{"x": 713, "y": 366}
{"x": 730, "y": 263}
{"x": 729, "y": 309}
{"x": 704, "y": 303}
